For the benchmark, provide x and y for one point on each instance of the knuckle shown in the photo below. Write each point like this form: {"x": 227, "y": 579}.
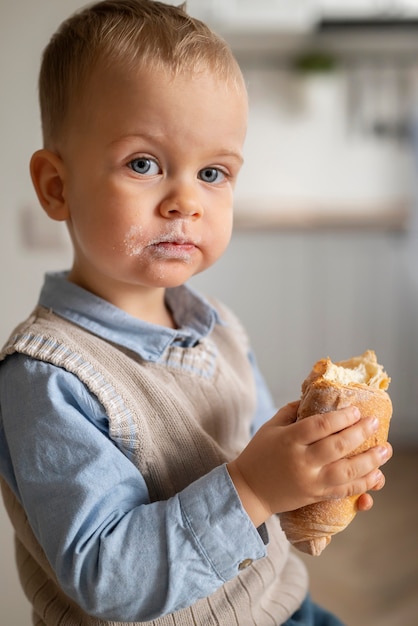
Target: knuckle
{"x": 337, "y": 493}
{"x": 340, "y": 446}
{"x": 323, "y": 422}
{"x": 342, "y": 475}
{"x": 352, "y": 490}
{"x": 333, "y": 475}
{"x": 350, "y": 472}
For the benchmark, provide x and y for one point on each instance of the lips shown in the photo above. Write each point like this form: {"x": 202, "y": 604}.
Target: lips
{"x": 174, "y": 243}
{"x": 173, "y": 248}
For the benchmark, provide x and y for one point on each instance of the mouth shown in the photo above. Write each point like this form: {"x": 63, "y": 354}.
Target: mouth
{"x": 173, "y": 243}
{"x": 174, "y": 247}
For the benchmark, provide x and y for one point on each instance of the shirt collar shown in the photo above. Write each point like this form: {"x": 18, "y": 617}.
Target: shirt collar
{"x": 193, "y": 314}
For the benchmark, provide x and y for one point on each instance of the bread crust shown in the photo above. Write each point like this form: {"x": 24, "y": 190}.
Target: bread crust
{"x": 310, "y": 528}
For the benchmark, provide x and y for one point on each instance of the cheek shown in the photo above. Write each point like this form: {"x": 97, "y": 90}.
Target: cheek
{"x": 227, "y": 223}
{"x": 99, "y": 212}
{"x": 220, "y": 234}
{"x": 99, "y": 230}
{"x": 226, "y": 233}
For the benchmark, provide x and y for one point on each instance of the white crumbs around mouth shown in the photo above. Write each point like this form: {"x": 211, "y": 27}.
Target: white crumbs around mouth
{"x": 133, "y": 241}
{"x": 164, "y": 244}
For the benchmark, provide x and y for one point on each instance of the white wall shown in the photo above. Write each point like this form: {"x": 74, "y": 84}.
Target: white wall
{"x": 306, "y": 296}
{"x": 295, "y": 291}
{"x": 24, "y": 28}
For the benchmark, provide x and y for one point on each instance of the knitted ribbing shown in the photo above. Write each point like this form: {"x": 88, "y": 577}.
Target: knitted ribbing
{"x": 209, "y": 392}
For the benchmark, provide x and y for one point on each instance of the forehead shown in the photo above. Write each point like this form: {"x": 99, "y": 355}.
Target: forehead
{"x": 116, "y": 94}
{"x": 132, "y": 70}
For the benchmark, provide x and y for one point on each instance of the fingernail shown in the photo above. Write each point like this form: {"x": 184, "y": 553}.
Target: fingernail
{"x": 377, "y": 477}
{"x": 383, "y": 452}
{"x": 356, "y": 412}
{"x": 374, "y": 423}
{"x": 379, "y": 480}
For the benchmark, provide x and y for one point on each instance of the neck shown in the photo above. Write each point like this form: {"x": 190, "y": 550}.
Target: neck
{"x": 145, "y": 303}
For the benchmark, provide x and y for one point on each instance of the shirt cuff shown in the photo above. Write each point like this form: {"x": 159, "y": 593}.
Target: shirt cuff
{"x": 222, "y": 530}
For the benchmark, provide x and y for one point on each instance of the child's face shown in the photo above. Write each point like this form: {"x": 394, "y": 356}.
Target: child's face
{"x": 149, "y": 174}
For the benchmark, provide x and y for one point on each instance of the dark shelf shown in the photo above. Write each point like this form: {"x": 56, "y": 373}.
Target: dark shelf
{"x": 326, "y": 25}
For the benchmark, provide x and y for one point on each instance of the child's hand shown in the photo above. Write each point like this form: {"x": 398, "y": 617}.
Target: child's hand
{"x": 365, "y": 500}
{"x": 290, "y": 464}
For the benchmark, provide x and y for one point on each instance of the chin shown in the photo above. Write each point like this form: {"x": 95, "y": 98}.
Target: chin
{"x": 168, "y": 277}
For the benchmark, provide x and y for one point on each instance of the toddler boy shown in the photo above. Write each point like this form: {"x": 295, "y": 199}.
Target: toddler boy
{"x": 127, "y": 400}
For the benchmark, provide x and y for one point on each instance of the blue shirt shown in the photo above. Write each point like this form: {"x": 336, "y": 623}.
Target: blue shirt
{"x": 116, "y": 554}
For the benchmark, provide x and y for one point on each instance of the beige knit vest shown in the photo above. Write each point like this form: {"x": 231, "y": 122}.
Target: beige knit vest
{"x": 209, "y": 392}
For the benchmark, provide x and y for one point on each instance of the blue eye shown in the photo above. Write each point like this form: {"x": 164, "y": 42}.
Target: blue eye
{"x": 144, "y": 166}
{"x": 211, "y": 175}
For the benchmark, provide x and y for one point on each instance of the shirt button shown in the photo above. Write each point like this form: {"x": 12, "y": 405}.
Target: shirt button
{"x": 244, "y": 564}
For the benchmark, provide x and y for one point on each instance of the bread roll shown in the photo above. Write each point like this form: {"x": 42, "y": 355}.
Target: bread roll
{"x": 360, "y": 382}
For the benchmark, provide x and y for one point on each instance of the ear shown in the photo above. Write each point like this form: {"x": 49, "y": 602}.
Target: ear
{"x": 47, "y": 172}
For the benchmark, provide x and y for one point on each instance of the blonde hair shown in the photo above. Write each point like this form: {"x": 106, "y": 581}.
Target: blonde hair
{"x": 137, "y": 33}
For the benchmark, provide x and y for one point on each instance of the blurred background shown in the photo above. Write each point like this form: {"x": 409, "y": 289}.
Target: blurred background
{"x": 324, "y": 256}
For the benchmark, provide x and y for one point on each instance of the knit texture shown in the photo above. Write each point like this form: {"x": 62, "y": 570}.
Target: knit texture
{"x": 197, "y": 403}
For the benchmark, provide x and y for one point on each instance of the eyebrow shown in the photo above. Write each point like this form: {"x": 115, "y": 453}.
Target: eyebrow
{"x": 140, "y": 135}
{"x": 233, "y": 154}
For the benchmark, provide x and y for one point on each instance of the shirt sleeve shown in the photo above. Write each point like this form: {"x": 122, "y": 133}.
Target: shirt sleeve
{"x": 117, "y": 555}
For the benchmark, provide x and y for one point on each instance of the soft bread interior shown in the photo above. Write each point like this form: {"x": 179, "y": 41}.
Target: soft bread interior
{"x": 360, "y": 370}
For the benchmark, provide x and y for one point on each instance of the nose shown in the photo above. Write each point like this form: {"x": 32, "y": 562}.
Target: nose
{"x": 181, "y": 201}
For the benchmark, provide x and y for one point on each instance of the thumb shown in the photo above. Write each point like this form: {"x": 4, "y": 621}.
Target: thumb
{"x": 286, "y": 415}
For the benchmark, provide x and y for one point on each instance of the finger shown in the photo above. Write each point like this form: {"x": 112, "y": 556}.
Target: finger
{"x": 286, "y": 415}
{"x": 317, "y": 427}
{"x": 380, "y": 484}
{"x": 343, "y": 443}
{"x": 355, "y": 475}
{"x": 348, "y": 470}
{"x": 386, "y": 454}
{"x": 359, "y": 486}
{"x": 364, "y": 502}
